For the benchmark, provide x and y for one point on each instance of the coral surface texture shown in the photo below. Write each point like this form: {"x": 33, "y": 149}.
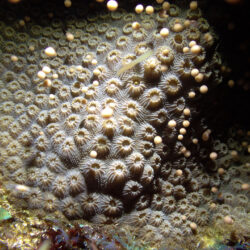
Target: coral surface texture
{"x": 100, "y": 118}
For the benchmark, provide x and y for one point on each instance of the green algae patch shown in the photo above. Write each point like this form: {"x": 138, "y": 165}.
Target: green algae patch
{"x": 4, "y": 214}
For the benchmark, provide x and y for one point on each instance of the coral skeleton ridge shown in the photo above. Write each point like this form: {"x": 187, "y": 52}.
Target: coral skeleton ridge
{"x": 100, "y": 118}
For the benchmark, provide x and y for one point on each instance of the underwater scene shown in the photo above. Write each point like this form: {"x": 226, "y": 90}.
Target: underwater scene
{"x": 124, "y": 124}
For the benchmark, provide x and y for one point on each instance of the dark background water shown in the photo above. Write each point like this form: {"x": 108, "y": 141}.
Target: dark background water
{"x": 231, "y": 23}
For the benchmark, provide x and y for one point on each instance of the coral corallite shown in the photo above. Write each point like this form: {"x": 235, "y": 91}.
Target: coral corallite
{"x": 104, "y": 117}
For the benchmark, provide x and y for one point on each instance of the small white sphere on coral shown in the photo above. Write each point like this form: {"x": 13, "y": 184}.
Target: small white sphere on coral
{"x": 136, "y": 25}
{"x": 93, "y": 154}
{"x": 164, "y": 32}
{"x": 67, "y": 3}
{"x": 41, "y": 75}
{"x": 157, "y": 140}
{"x": 166, "y": 5}
{"x": 245, "y": 186}
{"x": 228, "y": 220}
{"x": 139, "y": 8}
{"x": 192, "y": 43}
{"x": 199, "y": 77}
{"x": 46, "y": 69}
{"x": 112, "y": 5}
{"x": 172, "y": 124}
{"x": 213, "y": 155}
{"x": 178, "y": 27}
{"x": 196, "y": 49}
{"x": 185, "y": 49}
{"x": 186, "y": 123}
{"x": 193, "y": 5}
{"x": 193, "y": 226}
{"x": 179, "y": 172}
{"x": 49, "y": 51}
{"x": 149, "y": 9}
{"x": 186, "y": 112}
{"x": 191, "y": 94}
{"x": 221, "y": 171}
{"x": 203, "y": 89}
{"x": 69, "y": 36}
{"x": 14, "y": 58}
{"x": 194, "y": 72}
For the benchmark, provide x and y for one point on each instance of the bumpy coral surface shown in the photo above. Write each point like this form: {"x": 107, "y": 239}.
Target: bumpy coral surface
{"x": 100, "y": 116}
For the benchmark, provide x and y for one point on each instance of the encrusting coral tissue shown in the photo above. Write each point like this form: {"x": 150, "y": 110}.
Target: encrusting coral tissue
{"x": 100, "y": 118}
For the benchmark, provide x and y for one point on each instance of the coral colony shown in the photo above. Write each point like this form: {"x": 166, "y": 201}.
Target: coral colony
{"x": 100, "y": 119}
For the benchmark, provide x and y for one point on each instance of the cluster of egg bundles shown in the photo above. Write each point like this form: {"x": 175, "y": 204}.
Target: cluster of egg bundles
{"x": 100, "y": 114}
